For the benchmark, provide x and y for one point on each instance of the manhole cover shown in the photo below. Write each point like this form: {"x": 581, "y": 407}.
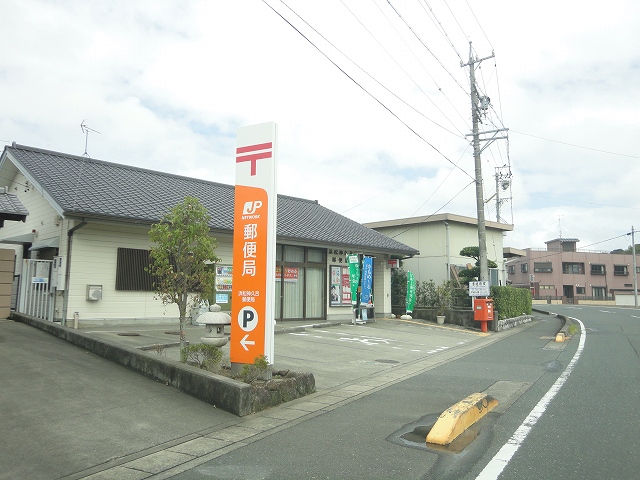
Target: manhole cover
{"x": 129, "y": 334}
{"x": 387, "y": 361}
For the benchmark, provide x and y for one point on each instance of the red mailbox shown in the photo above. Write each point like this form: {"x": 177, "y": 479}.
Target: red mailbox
{"x": 483, "y": 311}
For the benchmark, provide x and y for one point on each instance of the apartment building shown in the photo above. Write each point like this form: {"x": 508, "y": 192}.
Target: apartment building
{"x": 561, "y": 271}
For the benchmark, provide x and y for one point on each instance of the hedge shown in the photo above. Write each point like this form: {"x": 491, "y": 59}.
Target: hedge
{"x": 511, "y": 302}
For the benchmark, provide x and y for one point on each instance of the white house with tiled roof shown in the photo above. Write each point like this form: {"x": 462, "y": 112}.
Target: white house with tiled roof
{"x": 91, "y": 219}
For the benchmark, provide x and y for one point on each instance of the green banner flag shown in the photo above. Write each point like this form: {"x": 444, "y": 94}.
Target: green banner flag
{"x": 411, "y": 292}
{"x": 354, "y": 276}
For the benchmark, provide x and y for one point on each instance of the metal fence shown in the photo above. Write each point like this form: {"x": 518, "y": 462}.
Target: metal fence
{"x": 35, "y": 297}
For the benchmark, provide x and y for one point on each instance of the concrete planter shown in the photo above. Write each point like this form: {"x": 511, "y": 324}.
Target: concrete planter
{"x": 440, "y": 319}
{"x": 228, "y": 394}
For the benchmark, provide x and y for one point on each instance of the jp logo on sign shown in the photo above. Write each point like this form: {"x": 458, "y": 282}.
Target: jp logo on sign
{"x": 251, "y": 207}
{"x": 248, "y": 318}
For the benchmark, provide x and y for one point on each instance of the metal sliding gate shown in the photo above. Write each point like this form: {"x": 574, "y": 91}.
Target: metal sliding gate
{"x": 36, "y": 294}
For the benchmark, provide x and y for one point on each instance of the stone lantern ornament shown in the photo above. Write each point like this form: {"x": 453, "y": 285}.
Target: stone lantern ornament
{"x": 214, "y": 322}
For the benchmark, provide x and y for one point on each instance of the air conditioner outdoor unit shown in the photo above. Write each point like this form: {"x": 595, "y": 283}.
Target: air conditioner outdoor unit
{"x": 94, "y": 293}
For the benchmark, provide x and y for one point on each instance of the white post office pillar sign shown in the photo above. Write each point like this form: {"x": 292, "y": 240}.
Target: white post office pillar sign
{"x": 254, "y": 244}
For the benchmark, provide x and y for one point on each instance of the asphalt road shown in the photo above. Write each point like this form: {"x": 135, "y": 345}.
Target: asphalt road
{"x": 64, "y": 410}
{"x": 69, "y": 414}
{"x": 369, "y": 437}
{"x": 587, "y": 426}
{"x": 591, "y": 428}
{"x": 66, "y": 413}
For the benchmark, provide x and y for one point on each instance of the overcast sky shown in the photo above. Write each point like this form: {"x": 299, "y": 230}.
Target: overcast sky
{"x": 372, "y": 107}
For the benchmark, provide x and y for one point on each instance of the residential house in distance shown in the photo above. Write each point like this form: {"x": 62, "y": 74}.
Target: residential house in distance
{"x": 10, "y": 209}
{"x": 85, "y": 243}
{"x": 439, "y": 238}
{"x": 561, "y": 272}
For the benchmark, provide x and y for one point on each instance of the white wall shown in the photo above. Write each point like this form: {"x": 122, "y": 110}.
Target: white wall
{"x": 430, "y": 238}
{"x": 93, "y": 262}
{"x": 42, "y": 218}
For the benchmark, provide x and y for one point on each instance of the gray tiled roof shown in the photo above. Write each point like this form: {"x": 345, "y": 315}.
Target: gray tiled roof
{"x": 84, "y": 187}
{"x": 11, "y": 208}
{"x": 563, "y": 240}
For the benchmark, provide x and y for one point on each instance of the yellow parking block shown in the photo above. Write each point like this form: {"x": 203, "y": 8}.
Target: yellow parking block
{"x": 456, "y": 419}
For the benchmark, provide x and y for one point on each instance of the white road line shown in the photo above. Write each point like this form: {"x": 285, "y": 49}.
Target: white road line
{"x": 494, "y": 468}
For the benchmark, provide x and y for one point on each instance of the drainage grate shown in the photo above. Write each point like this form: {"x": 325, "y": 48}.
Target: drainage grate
{"x": 386, "y": 361}
{"x": 129, "y": 334}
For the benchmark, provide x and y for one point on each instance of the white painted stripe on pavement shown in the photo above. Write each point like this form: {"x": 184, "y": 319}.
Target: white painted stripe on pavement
{"x": 494, "y": 468}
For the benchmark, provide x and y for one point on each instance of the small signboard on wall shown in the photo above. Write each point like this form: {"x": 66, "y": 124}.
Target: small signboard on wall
{"x": 339, "y": 289}
{"x": 479, "y": 289}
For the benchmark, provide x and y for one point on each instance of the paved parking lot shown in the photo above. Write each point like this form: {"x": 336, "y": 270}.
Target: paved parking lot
{"x": 71, "y": 414}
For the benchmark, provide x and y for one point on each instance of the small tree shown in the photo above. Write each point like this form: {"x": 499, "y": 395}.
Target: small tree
{"x": 398, "y": 287}
{"x": 468, "y": 274}
{"x": 179, "y": 259}
{"x": 443, "y": 297}
{"x": 426, "y": 294}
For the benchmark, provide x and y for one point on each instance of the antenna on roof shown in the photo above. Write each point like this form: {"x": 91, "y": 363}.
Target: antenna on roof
{"x": 560, "y": 224}
{"x": 86, "y": 130}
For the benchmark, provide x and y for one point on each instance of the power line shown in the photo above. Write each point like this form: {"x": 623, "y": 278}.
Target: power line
{"x": 458, "y": 23}
{"x": 398, "y": 64}
{"x": 441, "y": 183}
{"x": 574, "y": 145}
{"x": 362, "y": 88}
{"x": 425, "y": 46}
{"x": 371, "y": 77}
{"x": 551, "y": 196}
{"x": 434, "y": 213}
{"x": 555, "y": 253}
{"x": 420, "y": 62}
{"x": 474, "y": 16}
{"x": 441, "y": 28}
{"x": 404, "y": 180}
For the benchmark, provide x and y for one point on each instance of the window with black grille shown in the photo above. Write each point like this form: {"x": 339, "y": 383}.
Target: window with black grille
{"x": 130, "y": 270}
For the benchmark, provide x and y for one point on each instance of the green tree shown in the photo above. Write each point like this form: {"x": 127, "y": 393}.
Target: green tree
{"x": 468, "y": 274}
{"x": 398, "y": 287}
{"x": 179, "y": 259}
{"x": 628, "y": 250}
{"x": 426, "y": 295}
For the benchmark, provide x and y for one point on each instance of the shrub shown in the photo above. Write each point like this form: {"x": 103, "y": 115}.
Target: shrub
{"x": 252, "y": 372}
{"x": 203, "y": 356}
{"x": 511, "y": 302}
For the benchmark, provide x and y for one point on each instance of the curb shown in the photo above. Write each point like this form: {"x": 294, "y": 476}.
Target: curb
{"x": 302, "y": 328}
{"x": 231, "y": 395}
{"x": 563, "y": 333}
{"x": 456, "y": 419}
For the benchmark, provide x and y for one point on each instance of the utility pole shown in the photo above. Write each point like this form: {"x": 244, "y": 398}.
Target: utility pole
{"x": 497, "y": 198}
{"x": 478, "y": 104}
{"x": 635, "y": 268}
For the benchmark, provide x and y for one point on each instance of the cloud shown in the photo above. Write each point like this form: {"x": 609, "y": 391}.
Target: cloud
{"x": 168, "y": 83}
